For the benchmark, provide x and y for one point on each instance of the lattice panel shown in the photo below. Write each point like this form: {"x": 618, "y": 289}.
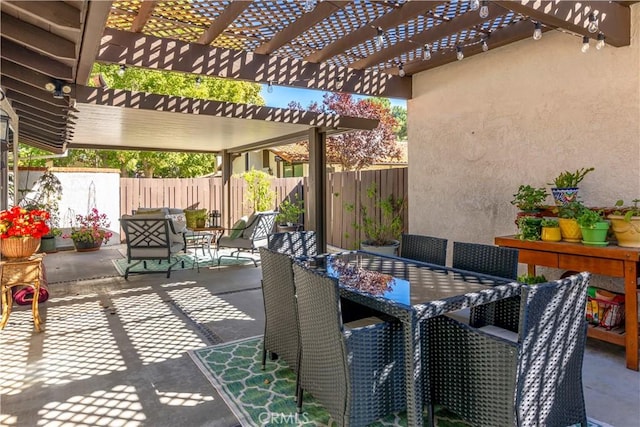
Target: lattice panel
{"x": 122, "y": 14}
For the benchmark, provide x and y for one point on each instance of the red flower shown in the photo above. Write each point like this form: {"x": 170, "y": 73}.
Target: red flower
{"x": 19, "y": 222}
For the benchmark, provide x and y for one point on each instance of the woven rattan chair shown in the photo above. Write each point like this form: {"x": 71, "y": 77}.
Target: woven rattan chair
{"x": 494, "y": 261}
{"x": 356, "y": 373}
{"x": 251, "y": 237}
{"x": 281, "y": 322}
{"x": 296, "y": 243}
{"x": 533, "y": 381}
{"x": 432, "y": 250}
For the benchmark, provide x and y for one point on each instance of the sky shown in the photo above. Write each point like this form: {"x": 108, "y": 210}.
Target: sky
{"x": 282, "y": 95}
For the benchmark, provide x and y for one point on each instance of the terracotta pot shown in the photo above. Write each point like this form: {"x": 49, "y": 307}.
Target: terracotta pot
{"x": 19, "y": 247}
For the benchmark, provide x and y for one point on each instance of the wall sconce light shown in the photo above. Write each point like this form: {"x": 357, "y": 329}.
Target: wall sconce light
{"x": 4, "y": 127}
{"x": 58, "y": 88}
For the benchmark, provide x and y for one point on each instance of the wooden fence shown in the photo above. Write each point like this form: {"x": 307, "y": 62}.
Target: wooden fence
{"x": 343, "y": 189}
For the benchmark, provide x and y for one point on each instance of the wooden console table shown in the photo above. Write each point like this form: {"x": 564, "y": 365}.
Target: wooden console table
{"x": 613, "y": 261}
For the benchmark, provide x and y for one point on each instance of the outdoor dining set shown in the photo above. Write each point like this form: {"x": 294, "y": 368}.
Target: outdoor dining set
{"x": 369, "y": 334}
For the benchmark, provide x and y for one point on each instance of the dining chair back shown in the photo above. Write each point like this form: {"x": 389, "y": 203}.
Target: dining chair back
{"x": 281, "y": 322}
{"x": 296, "y": 243}
{"x": 432, "y": 250}
{"x": 533, "y": 379}
{"x": 354, "y": 370}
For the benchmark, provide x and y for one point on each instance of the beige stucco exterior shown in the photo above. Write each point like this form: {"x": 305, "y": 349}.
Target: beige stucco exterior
{"x": 521, "y": 114}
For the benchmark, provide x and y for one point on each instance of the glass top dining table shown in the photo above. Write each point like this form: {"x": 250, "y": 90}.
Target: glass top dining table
{"x": 412, "y": 292}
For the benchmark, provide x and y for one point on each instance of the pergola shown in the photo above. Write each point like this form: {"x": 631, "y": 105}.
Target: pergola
{"x": 360, "y": 46}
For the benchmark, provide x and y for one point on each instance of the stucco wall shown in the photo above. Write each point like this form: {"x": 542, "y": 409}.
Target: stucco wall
{"x": 521, "y": 114}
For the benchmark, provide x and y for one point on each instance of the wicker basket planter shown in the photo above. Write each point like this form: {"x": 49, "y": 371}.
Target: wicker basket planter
{"x": 19, "y": 247}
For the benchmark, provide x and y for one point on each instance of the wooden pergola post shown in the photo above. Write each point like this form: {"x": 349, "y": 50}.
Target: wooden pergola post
{"x": 317, "y": 187}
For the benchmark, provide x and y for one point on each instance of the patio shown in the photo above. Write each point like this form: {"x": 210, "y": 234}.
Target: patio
{"x": 114, "y": 352}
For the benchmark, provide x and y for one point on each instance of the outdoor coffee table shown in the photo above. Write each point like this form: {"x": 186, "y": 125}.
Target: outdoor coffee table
{"x": 418, "y": 292}
{"x": 202, "y": 238}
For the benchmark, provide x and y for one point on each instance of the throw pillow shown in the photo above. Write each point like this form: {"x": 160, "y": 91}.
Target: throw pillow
{"x": 148, "y": 211}
{"x": 179, "y": 222}
{"x": 194, "y": 216}
{"x": 238, "y": 228}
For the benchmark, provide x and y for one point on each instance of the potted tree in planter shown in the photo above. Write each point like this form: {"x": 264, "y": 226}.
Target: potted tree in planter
{"x": 593, "y": 227}
{"x": 625, "y": 222}
{"x": 289, "y": 214}
{"x": 382, "y": 235}
{"x": 530, "y": 201}
{"x": 550, "y": 230}
{"x": 565, "y": 188}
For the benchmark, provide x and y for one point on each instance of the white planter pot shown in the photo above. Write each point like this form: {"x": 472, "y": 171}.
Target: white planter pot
{"x": 383, "y": 250}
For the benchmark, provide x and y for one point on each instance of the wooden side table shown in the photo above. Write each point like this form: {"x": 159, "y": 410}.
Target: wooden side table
{"x": 21, "y": 272}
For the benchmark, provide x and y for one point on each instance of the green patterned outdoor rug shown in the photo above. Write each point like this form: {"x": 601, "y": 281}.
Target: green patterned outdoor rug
{"x": 264, "y": 398}
{"x": 189, "y": 263}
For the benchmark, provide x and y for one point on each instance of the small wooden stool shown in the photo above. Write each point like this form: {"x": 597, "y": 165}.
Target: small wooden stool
{"x": 21, "y": 272}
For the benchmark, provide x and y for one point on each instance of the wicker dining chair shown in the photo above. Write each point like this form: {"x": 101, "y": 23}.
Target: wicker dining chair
{"x": 432, "y": 250}
{"x": 296, "y": 243}
{"x": 281, "y": 321}
{"x": 532, "y": 379}
{"x": 354, "y": 370}
{"x": 494, "y": 261}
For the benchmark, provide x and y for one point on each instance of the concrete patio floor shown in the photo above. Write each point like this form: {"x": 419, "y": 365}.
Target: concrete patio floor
{"x": 113, "y": 351}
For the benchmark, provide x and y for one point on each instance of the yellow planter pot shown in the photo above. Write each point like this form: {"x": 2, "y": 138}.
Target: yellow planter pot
{"x": 627, "y": 232}
{"x": 570, "y": 230}
{"x": 551, "y": 234}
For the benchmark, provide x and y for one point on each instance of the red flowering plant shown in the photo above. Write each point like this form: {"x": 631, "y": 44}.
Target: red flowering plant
{"x": 21, "y": 222}
{"x": 91, "y": 228}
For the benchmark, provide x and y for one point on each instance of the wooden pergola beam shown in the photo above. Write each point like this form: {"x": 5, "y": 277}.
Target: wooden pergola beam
{"x": 54, "y": 147}
{"x": 25, "y": 115}
{"x": 463, "y": 22}
{"x": 29, "y": 77}
{"x": 18, "y": 54}
{"x": 146, "y": 51}
{"x": 56, "y": 13}
{"x": 303, "y": 23}
{"x": 395, "y": 17}
{"x": 96, "y": 19}
{"x": 51, "y": 118}
{"x": 37, "y": 104}
{"x": 230, "y": 13}
{"x": 32, "y": 92}
{"x": 37, "y": 39}
{"x": 144, "y": 13}
{"x": 614, "y": 19}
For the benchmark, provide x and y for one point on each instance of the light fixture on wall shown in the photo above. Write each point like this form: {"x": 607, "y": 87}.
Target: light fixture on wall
{"x": 401, "y": 71}
{"x": 484, "y": 10}
{"x": 474, "y": 4}
{"x": 537, "y": 31}
{"x": 4, "y": 127}
{"x": 585, "y": 44}
{"x": 459, "y": 54}
{"x": 592, "y": 27}
{"x": 309, "y": 5}
{"x": 58, "y": 88}
{"x": 379, "y": 40}
{"x": 600, "y": 43}
{"x": 121, "y": 70}
{"x": 426, "y": 52}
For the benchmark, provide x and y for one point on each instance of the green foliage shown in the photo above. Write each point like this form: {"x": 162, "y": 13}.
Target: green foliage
{"x": 400, "y": 114}
{"x": 290, "y": 211}
{"x": 571, "y": 210}
{"x": 530, "y": 228}
{"x": 390, "y": 225}
{"x": 45, "y": 195}
{"x": 259, "y": 193}
{"x": 531, "y": 280}
{"x": 529, "y": 198}
{"x": 569, "y": 179}
{"x": 589, "y": 218}
{"x": 627, "y": 211}
{"x": 549, "y": 222}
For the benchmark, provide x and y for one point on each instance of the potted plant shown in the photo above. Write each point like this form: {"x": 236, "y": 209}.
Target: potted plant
{"x": 91, "y": 231}
{"x": 382, "y": 232}
{"x": 531, "y": 280}
{"x": 21, "y": 231}
{"x": 569, "y": 228}
{"x": 46, "y": 195}
{"x": 289, "y": 214}
{"x": 529, "y": 199}
{"x": 565, "y": 186}
{"x": 625, "y": 222}
{"x": 550, "y": 230}
{"x": 593, "y": 227}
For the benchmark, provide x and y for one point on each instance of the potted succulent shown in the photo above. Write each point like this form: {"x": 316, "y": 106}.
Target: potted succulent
{"x": 565, "y": 186}
{"x": 569, "y": 227}
{"x": 382, "y": 233}
{"x": 625, "y": 222}
{"x": 550, "y": 230}
{"x": 593, "y": 227}
{"x": 289, "y": 214}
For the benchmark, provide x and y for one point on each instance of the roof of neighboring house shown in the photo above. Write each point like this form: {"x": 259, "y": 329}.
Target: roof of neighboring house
{"x": 299, "y": 153}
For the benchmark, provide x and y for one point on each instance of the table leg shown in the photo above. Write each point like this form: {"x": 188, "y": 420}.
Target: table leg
{"x": 631, "y": 313}
{"x": 7, "y": 301}
{"x": 531, "y": 270}
{"x": 413, "y": 376}
{"x": 34, "y": 307}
